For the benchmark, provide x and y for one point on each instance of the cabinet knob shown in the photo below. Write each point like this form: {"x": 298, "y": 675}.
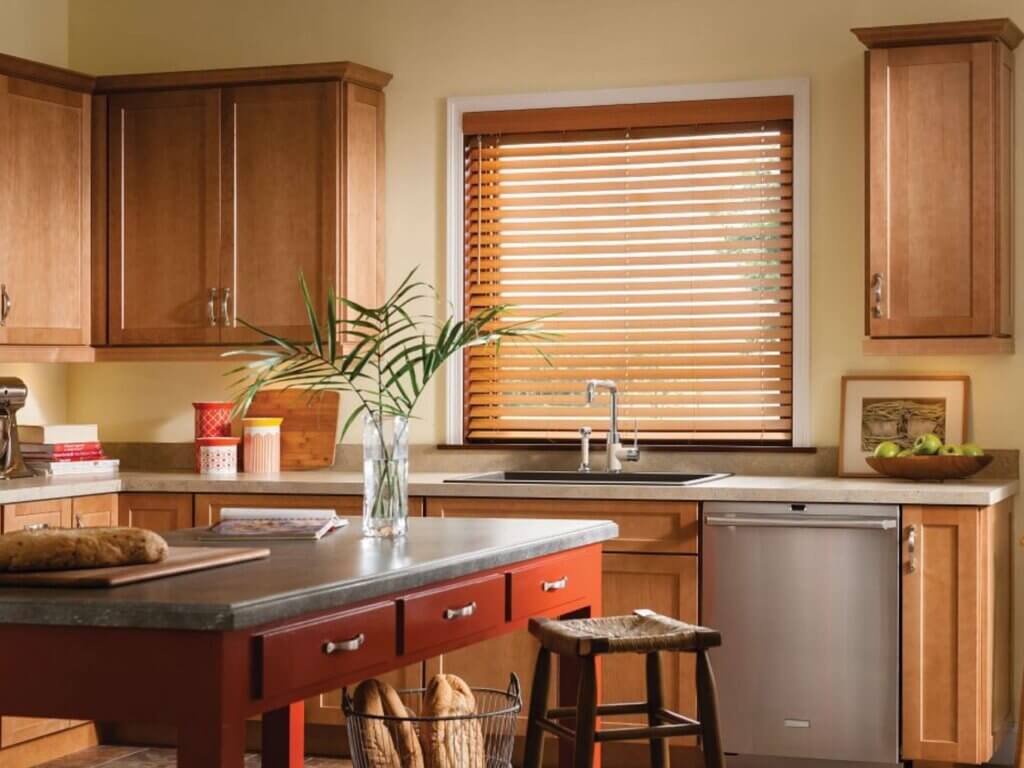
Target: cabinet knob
{"x": 877, "y": 283}
{"x": 211, "y": 307}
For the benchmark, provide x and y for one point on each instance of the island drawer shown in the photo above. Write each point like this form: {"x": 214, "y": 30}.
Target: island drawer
{"x": 322, "y": 649}
{"x": 552, "y": 581}
{"x": 439, "y": 616}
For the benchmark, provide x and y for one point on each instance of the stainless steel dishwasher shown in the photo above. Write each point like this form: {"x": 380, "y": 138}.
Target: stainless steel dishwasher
{"x": 806, "y": 597}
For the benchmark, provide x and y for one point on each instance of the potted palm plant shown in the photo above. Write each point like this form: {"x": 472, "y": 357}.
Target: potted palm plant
{"x": 383, "y": 357}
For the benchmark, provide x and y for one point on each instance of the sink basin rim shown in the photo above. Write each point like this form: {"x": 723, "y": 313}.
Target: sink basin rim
{"x": 568, "y": 477}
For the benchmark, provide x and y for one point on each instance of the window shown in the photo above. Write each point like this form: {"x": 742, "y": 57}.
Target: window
{"x": 656, "y": 241}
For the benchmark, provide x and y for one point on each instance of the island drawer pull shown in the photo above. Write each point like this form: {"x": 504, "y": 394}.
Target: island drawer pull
{"x": 36, "y": 527}
{"x": 340, "y": 646}
{"x": 450, "y": 614}
{"x": 555, "y": 586}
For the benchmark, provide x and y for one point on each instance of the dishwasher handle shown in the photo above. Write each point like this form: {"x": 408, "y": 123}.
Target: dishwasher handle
{"x": 768, "y": 521}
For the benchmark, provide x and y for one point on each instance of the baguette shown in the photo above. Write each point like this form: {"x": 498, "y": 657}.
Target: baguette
{"x": 452, "y": 743}
{"x": 65, "y": 549}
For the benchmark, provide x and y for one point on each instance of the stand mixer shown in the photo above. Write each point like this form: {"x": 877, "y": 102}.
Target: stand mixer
{"x": 13, "y": 393}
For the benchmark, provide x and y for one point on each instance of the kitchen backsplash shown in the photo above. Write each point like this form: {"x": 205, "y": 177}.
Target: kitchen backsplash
{"x": 428, "y": 458}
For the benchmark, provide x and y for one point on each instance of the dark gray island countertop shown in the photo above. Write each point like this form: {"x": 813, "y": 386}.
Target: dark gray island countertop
{"x": 303, "y": 577}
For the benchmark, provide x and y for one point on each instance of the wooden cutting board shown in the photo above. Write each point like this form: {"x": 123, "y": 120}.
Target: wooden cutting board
{"x": 179, "y": 560}
{"x": 309, "y": 433}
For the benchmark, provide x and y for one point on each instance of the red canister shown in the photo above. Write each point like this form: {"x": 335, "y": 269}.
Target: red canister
{"x": 213, "y": 419}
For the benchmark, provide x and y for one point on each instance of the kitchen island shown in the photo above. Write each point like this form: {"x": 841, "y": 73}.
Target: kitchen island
{"x": 204, "y": 651}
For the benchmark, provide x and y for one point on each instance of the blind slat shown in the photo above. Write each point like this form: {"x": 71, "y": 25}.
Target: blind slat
{"x": 660, "y": 258}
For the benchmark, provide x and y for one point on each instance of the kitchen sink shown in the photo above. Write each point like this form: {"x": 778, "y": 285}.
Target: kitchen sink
{"x": 587, "y": 478}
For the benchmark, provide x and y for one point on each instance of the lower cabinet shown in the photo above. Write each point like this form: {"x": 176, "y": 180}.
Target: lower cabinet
{"x": 956, "y": 631}
{"x": 80, "y": 512}
{"x": 653, "y": 564}
{"x": 155, "y": 511}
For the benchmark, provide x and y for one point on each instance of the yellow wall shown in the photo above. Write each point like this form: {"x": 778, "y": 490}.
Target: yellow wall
{"x": 440, "y": 48}
{"x": 38, "y": 30}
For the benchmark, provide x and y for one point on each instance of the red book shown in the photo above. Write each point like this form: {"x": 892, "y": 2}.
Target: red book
{"x": 65, "y": 456}
{"x": 52, "y": 448}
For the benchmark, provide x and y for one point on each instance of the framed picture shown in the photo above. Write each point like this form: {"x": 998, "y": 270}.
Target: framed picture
{"x": 897, "y": 408}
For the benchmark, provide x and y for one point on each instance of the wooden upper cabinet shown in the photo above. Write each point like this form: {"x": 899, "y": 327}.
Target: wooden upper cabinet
{"x": 939, "y": 184}
{"x": 164, "y": 204}
{"x": 224, "y": 186}
{"x": 44, "y": 213}
{"x": 280, "y": 205}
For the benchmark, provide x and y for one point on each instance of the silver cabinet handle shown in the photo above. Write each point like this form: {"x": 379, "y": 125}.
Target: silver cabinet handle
{"x": 225, "y": 314}
{"x": 36, "y": 527}
{"x": 5, "y": 304}
{"x": 450, "y": 614}
{"x": 912, "y": 549}
{"x": 211, "y": 307}
{"x": 341, "y": 646}
{"x": 555, "y": 586}
{"x": 78, "y": 520}
{"x": 804, "y": 522}
{"x": 877, "y": 281}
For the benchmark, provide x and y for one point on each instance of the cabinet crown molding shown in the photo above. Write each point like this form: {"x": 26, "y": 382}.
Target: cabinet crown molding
{"x": 982, "y": 30}
{"x": 345, "y": 71}
{"x": 37, "y": 72}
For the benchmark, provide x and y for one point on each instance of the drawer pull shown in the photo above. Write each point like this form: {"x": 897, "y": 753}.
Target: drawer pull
{"x": 555, "y": 586}
{"x": 450, "y": 614}
{"x": 36, "y": 527}
{"x": 339, "y": 646}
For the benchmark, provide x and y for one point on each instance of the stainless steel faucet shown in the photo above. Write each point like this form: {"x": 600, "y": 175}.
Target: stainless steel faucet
{"x": 616, "y": 454}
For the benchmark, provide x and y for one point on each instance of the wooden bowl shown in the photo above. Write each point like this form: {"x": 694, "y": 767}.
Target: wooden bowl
{"x": 935, "y": 468}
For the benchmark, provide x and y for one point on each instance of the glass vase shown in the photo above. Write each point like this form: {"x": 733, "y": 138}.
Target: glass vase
{"x": 385, "y": 475}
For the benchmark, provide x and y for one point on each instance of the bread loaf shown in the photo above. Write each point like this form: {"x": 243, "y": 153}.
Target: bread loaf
{"x": 64, "y": 549}
{"x": 452, "y": 743}
{"x": 378, "y": 746}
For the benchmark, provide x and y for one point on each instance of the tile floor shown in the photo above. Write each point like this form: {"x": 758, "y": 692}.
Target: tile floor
{"x": 149, "y": 757}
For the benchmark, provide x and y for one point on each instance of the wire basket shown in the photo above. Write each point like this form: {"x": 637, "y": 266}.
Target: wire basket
{"x": 481, "y": 740}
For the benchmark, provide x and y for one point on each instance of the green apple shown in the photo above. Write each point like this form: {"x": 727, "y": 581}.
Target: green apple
{"x": 905, "y": 453}
{"x": 951, "y": 450}
{"x": 927, "y": 444}
{"x": 972, "y": 449}
{"x": 886, "y": 450}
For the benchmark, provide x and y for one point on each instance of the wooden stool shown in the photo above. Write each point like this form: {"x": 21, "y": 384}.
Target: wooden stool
{"x": 644, "y": 632}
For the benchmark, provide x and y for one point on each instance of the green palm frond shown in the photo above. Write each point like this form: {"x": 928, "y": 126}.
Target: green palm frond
{"x": 384, "y": 356}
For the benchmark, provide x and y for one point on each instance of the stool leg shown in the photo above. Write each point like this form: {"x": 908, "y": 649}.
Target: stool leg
{"x": 534, "y": 752}
{"x": 586, "y": 714}
{"x": 707, "y": 705}
{"x": 655, "y": 701}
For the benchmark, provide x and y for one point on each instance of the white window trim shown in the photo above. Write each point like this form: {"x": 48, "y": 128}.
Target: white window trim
{"x": 798, "y": 88}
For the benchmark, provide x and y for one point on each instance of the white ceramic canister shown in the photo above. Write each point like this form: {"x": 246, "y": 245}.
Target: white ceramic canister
{"x": 217, "y": 455}
{"x": 261, "y": 447}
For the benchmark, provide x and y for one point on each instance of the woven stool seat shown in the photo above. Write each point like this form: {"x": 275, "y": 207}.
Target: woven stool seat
{"x": 643, "y": 632}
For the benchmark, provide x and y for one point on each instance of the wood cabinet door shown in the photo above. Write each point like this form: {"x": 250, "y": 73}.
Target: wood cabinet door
{"x": 932, "y": 181}
{"x": 280, "y": 205}
{"x": 164, "y": 212}
{"x": 155, "y": 511}
{"x": 44, "y": 213}
{"x": 51, "y": 513}
{"x": 94, "y": 511}
{"x": 955, "y": 631}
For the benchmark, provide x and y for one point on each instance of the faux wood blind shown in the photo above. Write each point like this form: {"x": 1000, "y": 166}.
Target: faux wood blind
{"x": 661, "y": 257}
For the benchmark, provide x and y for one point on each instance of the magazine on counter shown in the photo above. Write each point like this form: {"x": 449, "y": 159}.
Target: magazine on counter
{"x": 271, "y": 523}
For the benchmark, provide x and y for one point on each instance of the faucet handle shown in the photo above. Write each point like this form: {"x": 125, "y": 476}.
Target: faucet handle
{"x": 633, "y": 454}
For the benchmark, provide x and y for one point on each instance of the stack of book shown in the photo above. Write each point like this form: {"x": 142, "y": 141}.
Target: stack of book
{"x": 65, "y": 449}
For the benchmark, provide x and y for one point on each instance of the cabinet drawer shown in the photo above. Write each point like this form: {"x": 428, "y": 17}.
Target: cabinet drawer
{"x": 442, "y": 615}
{"x": 306, "y": 653}
{"x": 94, "y": 511}
{"x": 53, "y": 513}
{"x": 554, "y": 581}
{"x": 665, "y": 527}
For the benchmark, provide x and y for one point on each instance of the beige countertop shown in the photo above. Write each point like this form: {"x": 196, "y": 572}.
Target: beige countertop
{"x": 733, "y": 488}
